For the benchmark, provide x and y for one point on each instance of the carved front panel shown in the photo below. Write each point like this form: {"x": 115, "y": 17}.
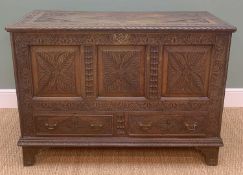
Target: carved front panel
{"x": 121, "y": 71}
{"x": 186, "y": 70}
{"x": 56, "y": 70}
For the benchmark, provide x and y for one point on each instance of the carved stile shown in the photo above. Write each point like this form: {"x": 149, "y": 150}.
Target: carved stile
{"x": 154, "y": 72}
{"x": 89, "y": 71}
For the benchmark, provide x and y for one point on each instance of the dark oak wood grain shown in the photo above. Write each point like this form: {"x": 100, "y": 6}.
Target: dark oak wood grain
{"x": 82, "y": 80}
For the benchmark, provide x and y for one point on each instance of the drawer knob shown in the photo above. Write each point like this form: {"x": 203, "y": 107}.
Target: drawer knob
{"x": 191, "y": 126}
{"x": 50, "y": 126}
{"x": 145, "y": 126}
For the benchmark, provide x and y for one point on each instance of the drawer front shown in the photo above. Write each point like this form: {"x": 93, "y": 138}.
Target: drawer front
{"x": 166, "y": 125}
{"x": 81, "y": 125}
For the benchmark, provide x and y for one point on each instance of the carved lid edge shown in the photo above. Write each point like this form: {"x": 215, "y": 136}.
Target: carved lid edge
{"x": 196, "y": 29}
{"x": 19, "y": 27}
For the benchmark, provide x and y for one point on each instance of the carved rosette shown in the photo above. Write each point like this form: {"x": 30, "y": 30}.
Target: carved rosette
{"x": 120, "y": 37}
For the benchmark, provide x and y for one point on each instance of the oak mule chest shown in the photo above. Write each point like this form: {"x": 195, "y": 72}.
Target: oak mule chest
{"x": 119, "y": 79}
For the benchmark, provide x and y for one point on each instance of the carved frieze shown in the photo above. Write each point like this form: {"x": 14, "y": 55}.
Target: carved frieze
{"x": 114, "y": 38}
{"x": 120, "y": 105}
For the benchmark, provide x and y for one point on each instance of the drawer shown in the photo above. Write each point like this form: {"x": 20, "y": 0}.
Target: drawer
{"x": 81, "y": 125}
{"x": 153, "y": 125}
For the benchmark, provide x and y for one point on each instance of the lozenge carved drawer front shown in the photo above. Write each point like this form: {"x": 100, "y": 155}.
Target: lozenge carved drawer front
{"x": 156, "y": 124}
{"x": 79, "y": 125}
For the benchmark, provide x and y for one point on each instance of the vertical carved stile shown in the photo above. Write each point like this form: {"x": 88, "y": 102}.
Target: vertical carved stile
{"x": 154, "y": 68}
{"x": 89, "y": 71}
{"x": 220, "y": 62}
{"x": 120, "y": 124}
{"x": 218, "y": 80}
{"x": 24, "y": 83}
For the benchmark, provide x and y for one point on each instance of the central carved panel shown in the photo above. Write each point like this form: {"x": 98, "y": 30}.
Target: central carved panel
{"x": 121, "y": 71}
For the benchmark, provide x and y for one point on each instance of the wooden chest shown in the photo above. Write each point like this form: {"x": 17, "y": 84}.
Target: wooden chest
{"x": 152, "y": 79}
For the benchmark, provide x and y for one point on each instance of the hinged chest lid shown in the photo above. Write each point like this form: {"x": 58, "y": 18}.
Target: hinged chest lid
{"x": 74, "y": 20}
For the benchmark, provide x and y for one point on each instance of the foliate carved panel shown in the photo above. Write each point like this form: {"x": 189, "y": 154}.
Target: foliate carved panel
{"x": 56, "y": 70}
{"x": 121, "y": 71}
{"x": 186, "y": 70}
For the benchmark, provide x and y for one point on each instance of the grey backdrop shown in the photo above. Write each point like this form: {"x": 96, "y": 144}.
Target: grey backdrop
{"x": 229, "y": 10}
